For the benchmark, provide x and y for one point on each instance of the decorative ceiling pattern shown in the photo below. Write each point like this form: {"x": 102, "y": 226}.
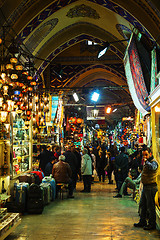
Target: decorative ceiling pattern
{"x": 122, "y": 29}
{"x": 82, "y": 11}
{"x": 40, "y": 33}
{"x": 55, "y": 7}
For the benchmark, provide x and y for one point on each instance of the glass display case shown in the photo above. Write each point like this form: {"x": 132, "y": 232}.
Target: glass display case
{"x": 21, "y": 146}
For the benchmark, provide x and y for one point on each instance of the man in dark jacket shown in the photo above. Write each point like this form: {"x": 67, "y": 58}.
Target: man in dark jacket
{"x": 73, "y": 163}
{"x": 121, "y": 165}
{"x": 49, "y": 166}
{"x": 147, "y": 201}
{"x": 45, "y": 156}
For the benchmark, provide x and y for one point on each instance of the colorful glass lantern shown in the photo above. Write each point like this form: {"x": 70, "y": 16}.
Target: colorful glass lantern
{"x": 30, "y": 89}
{"x": 9, "y": 67}
{"x": 36, "y": 98}
{"x": 3, "y": 75}
{"x": 79, "y": 120}
{"x": 17, "y": 92}
{"x": 1, "y": 101}
{"x": 3, "y": 116}
{"x": 29, "y": 78}
{"x": 14, "y": 76}
{"x": 13, "y": 60}
{"x": 28, "y": 113}
{"x": 19, "y": 68}
{"x": 10, "y": 105}
{"x": 33, "y": 83}
{"x": 5, "y": 89}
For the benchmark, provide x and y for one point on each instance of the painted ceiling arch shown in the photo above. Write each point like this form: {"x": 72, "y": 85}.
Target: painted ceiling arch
{"x": 99, "y": 71}
{"x": 51, "y": 30}
{"x": 39, "y": 11}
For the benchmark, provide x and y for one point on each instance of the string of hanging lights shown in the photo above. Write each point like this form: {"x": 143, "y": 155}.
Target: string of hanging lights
{"x": 18, "y": 87}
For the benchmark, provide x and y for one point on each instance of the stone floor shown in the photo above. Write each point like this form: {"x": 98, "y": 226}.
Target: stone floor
{"x": 89, "y": 216}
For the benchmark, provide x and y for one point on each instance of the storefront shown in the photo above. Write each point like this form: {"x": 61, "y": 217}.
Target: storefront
{"x": 155, "y": 119}
{"x": 21, "y": 138}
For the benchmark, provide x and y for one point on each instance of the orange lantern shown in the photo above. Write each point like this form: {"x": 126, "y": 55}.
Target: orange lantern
{"x": 79, "y": 120}
{"x": 23, "y": 108}
{"x": 19, "y": 68}
{"x": 25, "y": 73}
{"x": 28, "y": 113}
{"x": 33, "y": 83}
{"x": 13, "y": 60}
{"x": 70, "y": 119}
{"x": 30, "y": 89}
{"x": 30, "y": 78}
{"x": 74, "y": 120}
{"x": 18, "y": 103}
{"x": 21, "y": 84}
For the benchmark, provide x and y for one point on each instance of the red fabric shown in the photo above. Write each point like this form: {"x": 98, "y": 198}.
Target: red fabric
{"x": 56, "y": 155}
{"x": 141, "y": 140}
{"x": 39, "y": 173}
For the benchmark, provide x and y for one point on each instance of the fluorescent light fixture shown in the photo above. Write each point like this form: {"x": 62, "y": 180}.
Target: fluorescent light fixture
{"x": 95, "y": 96}
{"x": 76, "y": 98}
{"x": 104, "y": 50}
{"x": 114, "y": 110}
{"x": 89, "y": 42}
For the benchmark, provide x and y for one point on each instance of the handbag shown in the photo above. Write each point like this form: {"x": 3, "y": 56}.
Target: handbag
{"x": 94, "y": 173}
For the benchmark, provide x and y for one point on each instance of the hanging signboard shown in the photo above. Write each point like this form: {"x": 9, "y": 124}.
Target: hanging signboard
{"x": 54, "y": 107}
{"x": 96, "y": 113}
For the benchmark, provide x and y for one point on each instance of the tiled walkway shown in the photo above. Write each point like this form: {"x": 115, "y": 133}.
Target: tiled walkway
{"x": 90, "y": 216}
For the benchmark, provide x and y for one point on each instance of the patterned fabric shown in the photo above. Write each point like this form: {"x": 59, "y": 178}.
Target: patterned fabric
{"x": 154, "y": 80}
{"x": 135, "y": 78}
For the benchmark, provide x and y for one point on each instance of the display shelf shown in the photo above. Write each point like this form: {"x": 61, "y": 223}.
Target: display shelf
{"x": 11, "y": 229}
{"x": 21, "y": 146}
{"x": 24, "y": 156}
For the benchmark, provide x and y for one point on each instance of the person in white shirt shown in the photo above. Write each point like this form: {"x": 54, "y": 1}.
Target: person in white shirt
{"x": 86, "y": 170}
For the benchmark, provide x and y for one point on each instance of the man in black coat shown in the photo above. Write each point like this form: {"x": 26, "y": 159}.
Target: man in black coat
{"x": 79, "y": 158}
{"x": 73, "y": 162}
{"x": 44, "y": 157}
{"x": 121, "y": 165}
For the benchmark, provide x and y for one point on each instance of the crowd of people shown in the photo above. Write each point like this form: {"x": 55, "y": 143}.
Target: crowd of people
{"x": 127, "y": 167}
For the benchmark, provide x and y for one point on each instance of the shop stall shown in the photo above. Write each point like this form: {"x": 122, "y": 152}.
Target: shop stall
{"x": 155, "y": 119}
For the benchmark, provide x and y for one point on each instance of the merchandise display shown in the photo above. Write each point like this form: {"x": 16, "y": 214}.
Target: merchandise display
{"x": 20, "y": 141}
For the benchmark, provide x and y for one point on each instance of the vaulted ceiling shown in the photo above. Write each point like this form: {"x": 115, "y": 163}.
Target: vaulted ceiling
{"x": 56, "y": 34}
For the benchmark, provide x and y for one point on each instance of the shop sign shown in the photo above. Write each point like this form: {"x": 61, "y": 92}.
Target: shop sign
{"x": 96, "y": 113}
{"x": 54, "y": 107}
